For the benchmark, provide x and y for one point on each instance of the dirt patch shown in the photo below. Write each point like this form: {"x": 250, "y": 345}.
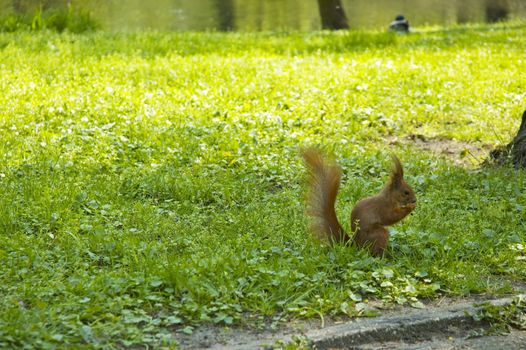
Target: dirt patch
{"x": 461, "y": 153}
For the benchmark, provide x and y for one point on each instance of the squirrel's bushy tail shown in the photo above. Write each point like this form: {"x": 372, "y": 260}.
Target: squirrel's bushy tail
{"x": 324, "y": 182}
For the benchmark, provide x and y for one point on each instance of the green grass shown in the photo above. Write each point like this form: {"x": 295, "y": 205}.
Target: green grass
{"x": 63, "y": 18}
{"x": 151, "y": 182}
{"x": 504, "y": 317}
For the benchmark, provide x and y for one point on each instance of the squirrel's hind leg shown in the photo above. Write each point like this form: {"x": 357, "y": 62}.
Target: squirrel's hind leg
{"x": 376, "y": 239}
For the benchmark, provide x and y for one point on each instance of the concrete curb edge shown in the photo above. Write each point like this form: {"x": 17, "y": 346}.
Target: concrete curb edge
{"x": 396, "y": 327}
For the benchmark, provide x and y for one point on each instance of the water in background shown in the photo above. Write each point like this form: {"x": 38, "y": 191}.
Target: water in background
{"x": 258, "y": 15}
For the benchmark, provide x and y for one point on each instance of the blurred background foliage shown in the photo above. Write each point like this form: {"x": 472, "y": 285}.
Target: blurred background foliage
{"x": 240, "y": 15}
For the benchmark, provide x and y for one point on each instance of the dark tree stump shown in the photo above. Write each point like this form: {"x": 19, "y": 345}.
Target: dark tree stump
{"x": 225, "y": 15}
{"x": 497, "y": 10}
{"x": 332, "y": 15}
{"x": 515, "y": 151}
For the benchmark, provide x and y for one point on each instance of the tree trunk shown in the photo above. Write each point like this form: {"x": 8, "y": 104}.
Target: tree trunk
{"x": 332, "y": 15}
{"x": 225, "y": 15}
{"x": 497, "y": 10}
{"x": 515, "y": 151}
{"x": 463, "y": 11}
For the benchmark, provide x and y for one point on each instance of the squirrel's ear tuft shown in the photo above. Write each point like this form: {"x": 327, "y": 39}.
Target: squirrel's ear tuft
{"x": 398, "y": 172}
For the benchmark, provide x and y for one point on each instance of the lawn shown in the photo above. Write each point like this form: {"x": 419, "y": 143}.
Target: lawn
{"x": 151, "y": 182}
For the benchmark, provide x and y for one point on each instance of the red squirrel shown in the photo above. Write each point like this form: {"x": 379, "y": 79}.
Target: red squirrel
{"x": 369, "y": 215}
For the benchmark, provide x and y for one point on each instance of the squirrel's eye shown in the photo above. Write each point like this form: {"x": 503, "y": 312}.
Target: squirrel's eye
{"x": 406, "y": 192}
